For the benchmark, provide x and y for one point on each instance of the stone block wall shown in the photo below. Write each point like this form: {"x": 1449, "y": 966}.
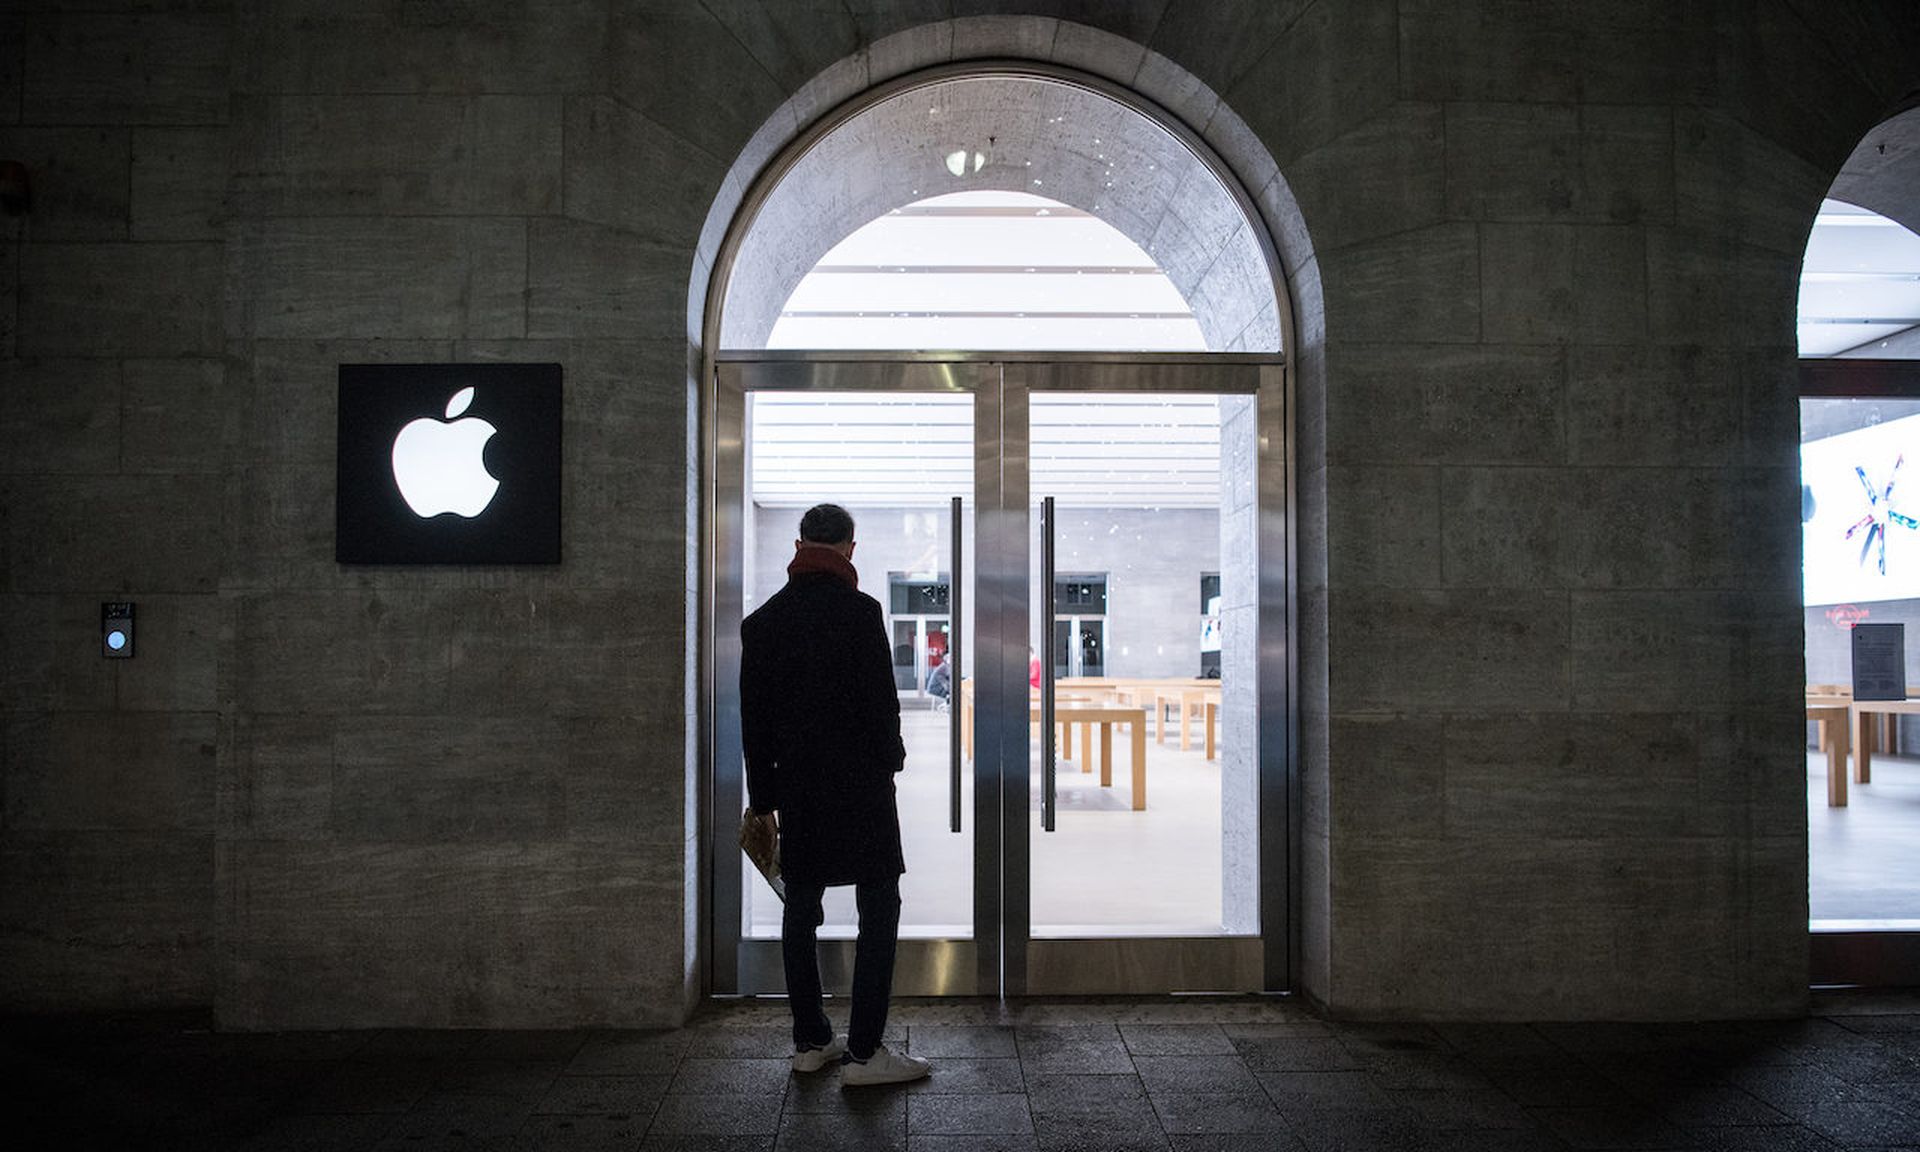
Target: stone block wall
{"x": 1559, "y": 257}
{"x": 1542, "y": 261}
{"x": 114, "y": 403}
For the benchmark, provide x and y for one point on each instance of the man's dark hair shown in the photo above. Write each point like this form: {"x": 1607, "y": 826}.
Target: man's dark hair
{"x": 826, "y": 524}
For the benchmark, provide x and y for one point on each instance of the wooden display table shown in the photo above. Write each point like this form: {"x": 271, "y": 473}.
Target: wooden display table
{"x": 1086, "y": 712}
{"x": 1863, "y": 734}
{"x": 1831, "y": 715}
{"x": 1106, "y": 716}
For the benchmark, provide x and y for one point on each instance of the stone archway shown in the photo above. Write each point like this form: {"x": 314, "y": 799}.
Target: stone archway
{"x": 1260, "y": 250}
{"x": 1014, "y": 129}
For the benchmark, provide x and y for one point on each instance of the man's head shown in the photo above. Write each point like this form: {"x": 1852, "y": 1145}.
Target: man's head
{"x": 828, "y": 525}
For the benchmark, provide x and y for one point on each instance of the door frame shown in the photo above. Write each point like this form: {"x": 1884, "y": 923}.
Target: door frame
{"x": 988, "y": 964}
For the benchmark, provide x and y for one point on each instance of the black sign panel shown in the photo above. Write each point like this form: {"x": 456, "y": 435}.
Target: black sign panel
{"x": 1880, "y": 662}
{"x": 448, "y": 464}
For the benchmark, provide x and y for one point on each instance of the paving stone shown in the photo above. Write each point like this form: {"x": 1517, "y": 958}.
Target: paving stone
{"x": 1217, "y": 1112}
{"x": 1041, "y": 1057}
{"x": 1797, "y": 1091}
{"x": 1057, "y": 1135}
{"x": 371, "y": 1085}
{"x": 1304, "y": 1093}
{"x": 1057, "y": 1118}
{"x": 973, "y": 1142}
{"x": 1176, "y": 1040}
{"x": 1361, "y": 1132}
{"x": 960, "y": 1040}
{"x": 1616, "y": 1127}
{"x": 1235, "y": 1142}
{"x": 580, "y": 1133}
{"x": 1712, "y": 1106}
{"x": 1658, "y": 1086}
{"x": 1281, "y": 1054}
{"x": 469, "y": 1117}
{"x": 604, "y": 1095}
{"x": 729, "y": 1115}
{"x": 706, "y": 1142}
{"x": 1194, "y": 1075}
{"x": 707, "y": 1076}
{"x": 822, "y": 1092}
{"x": 1566, "y": 1085}
{"x": 1063, "y": 1031}
{"x": 1455, "y": 1109}
{"x": 1864, "y": 1122}
{"x": 855, "y": 1132}
{"x": 1880, "y": 1023}
{"x": 336, "y": 1133}
{"x": 969, "y": 1074}
{"x": 965, "y": 1115}
{"x": 1537, "y": 1140}
{"x": 417, "y": 1044}
{"x": 1420, "y": 1071}
{"x": 628, "y": 1053}
{"x": 763, "y": 1041}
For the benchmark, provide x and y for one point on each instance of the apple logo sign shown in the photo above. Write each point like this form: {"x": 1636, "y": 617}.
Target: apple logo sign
{"x": 448, "y": 464}
{"x": 437, "y": 463}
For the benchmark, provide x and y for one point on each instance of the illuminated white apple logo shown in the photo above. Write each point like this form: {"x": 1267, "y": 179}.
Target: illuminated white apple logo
{"x": 438, "y": 465}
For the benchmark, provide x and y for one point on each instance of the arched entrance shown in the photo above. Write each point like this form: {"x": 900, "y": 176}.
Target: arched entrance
{"x": 1859, "y": 335}
{"x": 1001, "y": 482}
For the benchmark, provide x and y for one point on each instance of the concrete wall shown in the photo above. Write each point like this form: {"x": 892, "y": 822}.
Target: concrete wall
{"x": 1542, "y": 261}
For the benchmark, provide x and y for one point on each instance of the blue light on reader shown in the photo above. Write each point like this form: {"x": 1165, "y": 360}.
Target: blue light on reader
{"x": 116, "y": 640}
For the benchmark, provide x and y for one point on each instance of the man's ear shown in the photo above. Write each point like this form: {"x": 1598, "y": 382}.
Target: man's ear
{"x": 799, "y": 544}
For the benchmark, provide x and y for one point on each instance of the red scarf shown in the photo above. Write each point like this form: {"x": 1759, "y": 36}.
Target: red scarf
{"x": 811, "y": 558}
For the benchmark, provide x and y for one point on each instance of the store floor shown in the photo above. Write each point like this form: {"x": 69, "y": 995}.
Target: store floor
{"x": 1864, "y": 859}
{"x": 1110, "y": 869}
{"x": 1216, "y": 1074}
{"x": 1106, "y": 870}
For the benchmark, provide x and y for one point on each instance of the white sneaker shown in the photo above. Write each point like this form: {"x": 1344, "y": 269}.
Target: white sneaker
{"x": 883, "y": 1067}
{"x": 814, "y": 1059}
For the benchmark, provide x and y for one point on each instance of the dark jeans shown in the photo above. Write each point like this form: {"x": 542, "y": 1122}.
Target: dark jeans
{"x": 879, "y": 903}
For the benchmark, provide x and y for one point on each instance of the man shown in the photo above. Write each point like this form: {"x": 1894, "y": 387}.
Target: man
{"x": 820, "y": 723}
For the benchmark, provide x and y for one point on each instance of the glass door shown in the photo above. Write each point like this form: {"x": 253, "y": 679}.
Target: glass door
{"x": 897, "y": 450}
{"x": 1143, "y": 814}
{"x": 1083, "y": 809}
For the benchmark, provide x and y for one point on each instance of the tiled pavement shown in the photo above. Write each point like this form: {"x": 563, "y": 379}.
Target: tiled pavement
{"x": 1191, "y": 1074}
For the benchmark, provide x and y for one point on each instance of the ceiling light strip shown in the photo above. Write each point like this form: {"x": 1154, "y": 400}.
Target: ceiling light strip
{"x": 877, "y": 315}
{"x": 986, "y": 270}
{"x": 1048, "y": 212}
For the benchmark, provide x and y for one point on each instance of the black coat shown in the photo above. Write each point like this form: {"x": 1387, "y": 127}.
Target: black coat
{"x": 820, "y": 723}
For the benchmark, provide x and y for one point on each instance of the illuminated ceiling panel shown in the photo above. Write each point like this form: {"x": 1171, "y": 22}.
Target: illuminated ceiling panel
{"x": 1860, "y": 282}
{"x": 988, "y": 270}
{"x": 868, "y": 450}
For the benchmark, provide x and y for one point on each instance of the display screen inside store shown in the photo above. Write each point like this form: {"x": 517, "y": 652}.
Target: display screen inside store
{"x": 1860, "y": 513}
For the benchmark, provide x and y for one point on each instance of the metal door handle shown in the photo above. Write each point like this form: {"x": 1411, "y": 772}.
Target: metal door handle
{"x": 953, "y": 678}
{"x": 1048, "y": 763}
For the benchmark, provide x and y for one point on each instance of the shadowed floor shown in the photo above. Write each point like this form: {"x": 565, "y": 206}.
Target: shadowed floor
{"x": 1221, "y": 1075}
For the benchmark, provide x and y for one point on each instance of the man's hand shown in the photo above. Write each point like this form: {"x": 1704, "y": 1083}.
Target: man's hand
{"x": 759, "y": 833}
